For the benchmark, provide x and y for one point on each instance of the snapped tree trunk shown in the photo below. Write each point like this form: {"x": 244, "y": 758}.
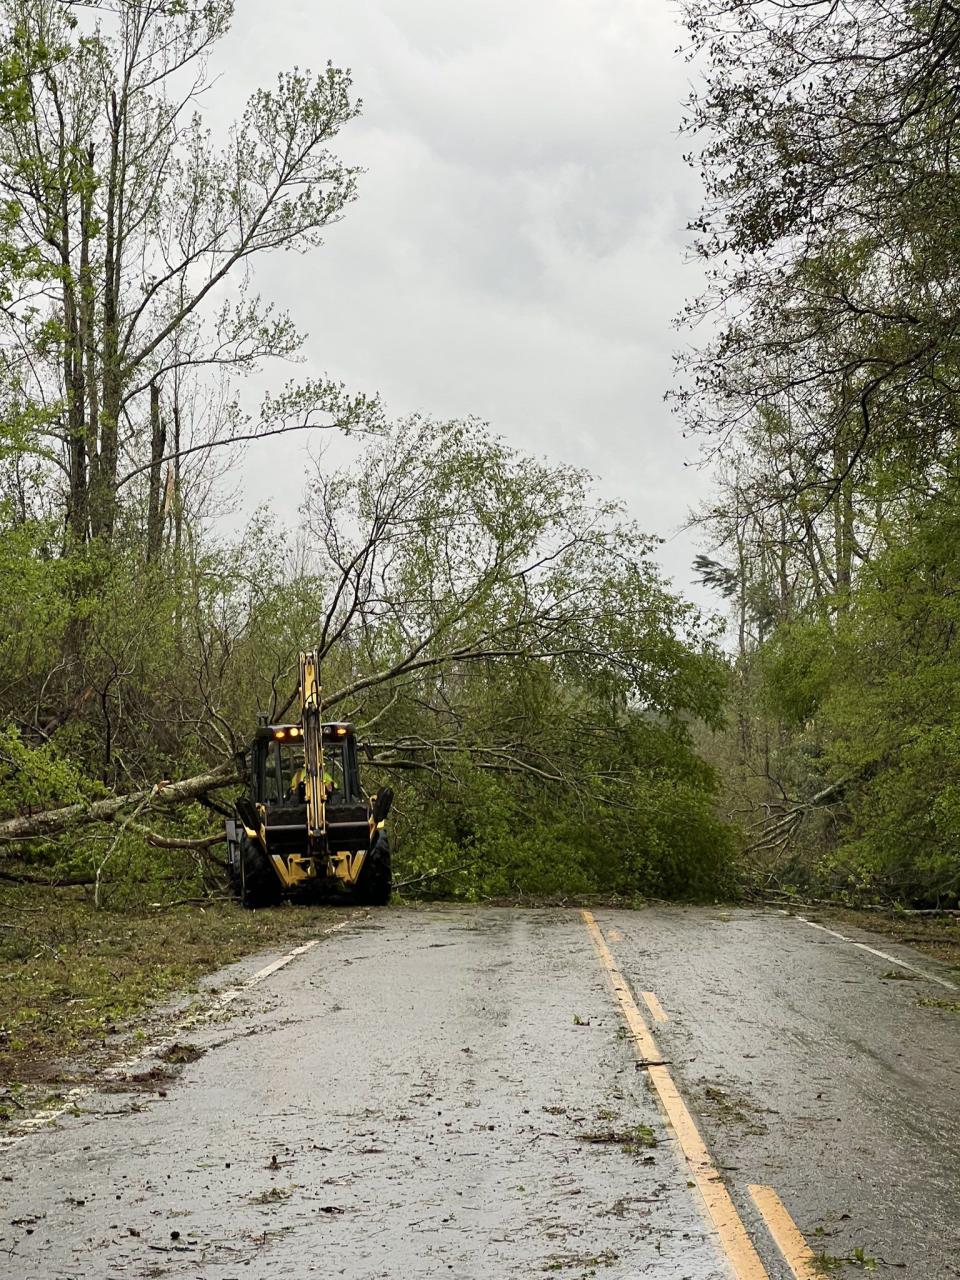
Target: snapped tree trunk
{"x": 158, "y": 441}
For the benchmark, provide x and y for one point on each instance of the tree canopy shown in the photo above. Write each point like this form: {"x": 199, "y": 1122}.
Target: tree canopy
{"x": 502, "y": 639}
{"x": 825, "y": 390}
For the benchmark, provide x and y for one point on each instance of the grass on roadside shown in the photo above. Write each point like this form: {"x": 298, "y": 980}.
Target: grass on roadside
{"x": 936, "y": 936}
{"x": 70, "y": 975}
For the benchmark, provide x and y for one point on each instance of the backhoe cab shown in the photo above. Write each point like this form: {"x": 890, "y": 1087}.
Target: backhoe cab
{"x": 304, "y": 826}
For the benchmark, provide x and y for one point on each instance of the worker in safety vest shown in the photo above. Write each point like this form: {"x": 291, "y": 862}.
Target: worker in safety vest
{"x": 298, "y": 784}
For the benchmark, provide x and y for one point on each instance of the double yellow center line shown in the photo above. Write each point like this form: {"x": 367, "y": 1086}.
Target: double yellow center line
{"x": 734, "y": 1240}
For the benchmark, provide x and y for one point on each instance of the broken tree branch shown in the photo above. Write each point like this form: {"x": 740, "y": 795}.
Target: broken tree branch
{"x": 57, "y": 882}
{"x": 158, "y": 841}
{"x": 778, "y": 829}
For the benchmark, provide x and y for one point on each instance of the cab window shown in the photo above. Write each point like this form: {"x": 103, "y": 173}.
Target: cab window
{"x": 284, "y": 770}
{"x": 333, "y": 771}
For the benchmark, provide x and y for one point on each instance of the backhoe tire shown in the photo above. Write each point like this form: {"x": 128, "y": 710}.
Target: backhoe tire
{"x": 375, "y": 881}
{"x": 259, "y": 886}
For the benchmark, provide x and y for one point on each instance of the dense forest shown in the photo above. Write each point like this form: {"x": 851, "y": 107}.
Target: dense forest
{"x": 552, "y": 716}
{"x": 823, "y": 386}
{"x": 514, "y": 663}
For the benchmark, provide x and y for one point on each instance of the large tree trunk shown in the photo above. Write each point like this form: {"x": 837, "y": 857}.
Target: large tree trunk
{"x": 54, "y": 821}
{"x": 177, "y": 504}
{"x": 88, "y": 327}
{"x": 158, "y": 441}
{"x": 73, "y": 378}
{"x": 105, "y": 500}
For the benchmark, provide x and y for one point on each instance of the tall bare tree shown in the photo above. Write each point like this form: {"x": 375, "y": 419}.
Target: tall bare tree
{"x": 143, "y": 229}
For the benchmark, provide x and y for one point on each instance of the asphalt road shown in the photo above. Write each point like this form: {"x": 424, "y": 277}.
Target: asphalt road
{"x": 490, "y": 1093}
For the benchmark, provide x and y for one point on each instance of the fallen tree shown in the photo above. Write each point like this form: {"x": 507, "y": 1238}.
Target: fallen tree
{"x": 55, "y": 821}
{"x": 781, "y": 822}
{"x": 503, "y": 643}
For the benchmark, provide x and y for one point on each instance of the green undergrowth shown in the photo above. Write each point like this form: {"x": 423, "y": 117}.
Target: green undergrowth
{"x": 71, "y": 975}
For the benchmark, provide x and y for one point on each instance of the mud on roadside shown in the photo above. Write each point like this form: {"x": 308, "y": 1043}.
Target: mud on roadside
{"x": 79, "y": 987}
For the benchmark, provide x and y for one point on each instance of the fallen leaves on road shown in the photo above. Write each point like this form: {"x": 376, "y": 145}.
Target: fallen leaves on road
{"x": 274, "y": 1196}
{"x": 182, "y": 1053}
{"x": 639, "y": 1137}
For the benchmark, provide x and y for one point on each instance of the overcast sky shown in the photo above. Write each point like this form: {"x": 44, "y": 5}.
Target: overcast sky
{"x": 518, "y": 248}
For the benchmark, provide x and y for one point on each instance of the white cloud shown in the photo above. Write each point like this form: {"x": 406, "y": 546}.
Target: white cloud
{"x": 517, "y": 250}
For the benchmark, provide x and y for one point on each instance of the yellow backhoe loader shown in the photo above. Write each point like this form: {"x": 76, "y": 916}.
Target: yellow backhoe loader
{"x": 304, "y": 827}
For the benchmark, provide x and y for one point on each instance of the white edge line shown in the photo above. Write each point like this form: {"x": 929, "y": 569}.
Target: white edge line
{"x": 40, "y": 1119}
{"x": 922, "y": 973}
{"x": 832, "y": 932}
{"x": 930, "y": 977}
{"x": 265, "y": 972}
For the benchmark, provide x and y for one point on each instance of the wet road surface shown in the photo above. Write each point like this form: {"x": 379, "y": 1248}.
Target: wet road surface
{"x": 465, "y": 1092}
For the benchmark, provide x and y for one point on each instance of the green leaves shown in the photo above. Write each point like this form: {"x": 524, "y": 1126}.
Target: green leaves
{"x": 798, "y": 669}
{"x": 36, "y": 777}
